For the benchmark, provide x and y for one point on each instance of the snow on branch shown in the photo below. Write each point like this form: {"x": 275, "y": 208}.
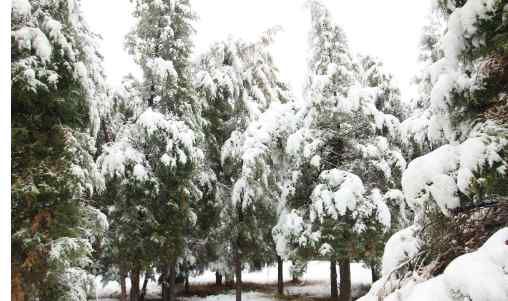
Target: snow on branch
{"x": 441, "y": 174}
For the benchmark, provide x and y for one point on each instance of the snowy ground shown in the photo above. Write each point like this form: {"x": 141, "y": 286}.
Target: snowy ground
{"x": 248, "y": 296}
{"x": 315, "y": 283}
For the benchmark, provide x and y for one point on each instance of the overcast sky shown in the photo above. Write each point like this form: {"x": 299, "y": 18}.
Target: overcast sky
{"x": 389, "y": 29}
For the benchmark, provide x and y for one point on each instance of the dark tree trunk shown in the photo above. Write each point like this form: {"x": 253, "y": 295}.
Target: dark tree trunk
{"x": 333, "y": 279}
{"x": 134, "y": 295}
{"x": 143, "y": 289}
{"x": 294, "y": 276}
{"x": 123, "y": 286}
{"x": 237, "y": 256}
{"x": 218, "y": 278}
{"x": 280, "y": 275}
{"x": 152, "y": 96}
{"x": 164, "y": 290}
{"x": 187, "y": 287}
{"x": 238, "y": 274}
{"x": 164, "y": 280}
{"x": 172, "y": 282}
{"x": 374, "y": 273}
{"x": 345, "y": 279}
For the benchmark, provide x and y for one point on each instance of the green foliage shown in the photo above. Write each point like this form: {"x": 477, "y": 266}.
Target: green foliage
{"x": 53, "y": 174}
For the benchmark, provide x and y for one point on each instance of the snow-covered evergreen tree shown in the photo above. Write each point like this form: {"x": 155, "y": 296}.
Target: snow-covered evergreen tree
{"x": 373, "y": 74}
{"x": 465, "y": 87}
{"x": 161, "y": 44}
{"x": 449, "y": 187}
{"x": 58, "y": 96}
{"x": 131, "y": 190}
{"x": 414, "y": 130}
{"x": 341, "y": 152}
{"x": 237, "y": 82}
{"x": 155, "y": 156}
{"x": 264, "y": 174}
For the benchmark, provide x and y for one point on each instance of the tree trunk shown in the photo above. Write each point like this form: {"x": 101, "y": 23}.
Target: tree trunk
{"x": 280, "y": 275}
{"x": 164, "y": 283}
{"x": 294, "y": 274}
{"x": 187, "y": 287}
{"x": 172, "y": 282}
{"x": 345, "y": 279}
{"x": 333, "y": 279}
{"x": 134, "y": 295}
{"x": 374, "y": 273}
{"x": 143, "y": 289}
{"x": 218, "y": 278}
{"x": 238, "y": 274}
{"x": 123, "y": 286}
{"x": 17, "y": 291}
{"x": 163, "y": 287}
{"x": 237, "y": 256}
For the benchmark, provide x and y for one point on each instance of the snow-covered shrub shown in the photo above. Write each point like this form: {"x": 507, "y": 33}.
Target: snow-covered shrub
{"x": 476, "y": 276}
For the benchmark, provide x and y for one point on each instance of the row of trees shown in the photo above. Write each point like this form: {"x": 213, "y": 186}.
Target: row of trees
{"x": 253, "y": 169}
{"x": 206, "y": 164}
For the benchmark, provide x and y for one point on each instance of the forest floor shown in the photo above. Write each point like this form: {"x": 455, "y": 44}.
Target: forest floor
{"x": 261, "y": 285}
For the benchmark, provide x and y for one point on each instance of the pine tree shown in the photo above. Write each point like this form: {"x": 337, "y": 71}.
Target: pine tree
{"x": 166, "y": 132}
{"x": 461, "y": 170}
{"x": 58, "y": 96}
{"x": 264, "y": 174}
{"x": 161, "y": 44}
{"x": 131, "y": 188}
{"x": 342, "y": 151}
{"x": 414, "y": 130}
{"x": 237, "y": 82}
{"x": 467, "y": 84}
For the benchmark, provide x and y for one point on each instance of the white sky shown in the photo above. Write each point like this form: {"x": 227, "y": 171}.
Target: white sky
{"x": 389, "y": 29}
